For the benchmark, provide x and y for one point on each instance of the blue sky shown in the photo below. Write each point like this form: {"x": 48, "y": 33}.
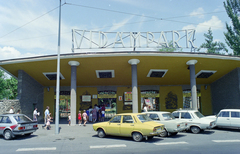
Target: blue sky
{"x": 30, "y": 27}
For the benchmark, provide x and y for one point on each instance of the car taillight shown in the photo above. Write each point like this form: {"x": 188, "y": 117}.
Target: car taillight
{"x": 13, "y": 126}
{"x": 185, "y": 124}
{"x": 154, "y": 129}
{"x": 21, "y": 128}
{"x": 35, "y": 126}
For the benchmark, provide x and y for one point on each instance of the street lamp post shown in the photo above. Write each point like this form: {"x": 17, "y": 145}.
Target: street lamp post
{"x": 58, "y": 75}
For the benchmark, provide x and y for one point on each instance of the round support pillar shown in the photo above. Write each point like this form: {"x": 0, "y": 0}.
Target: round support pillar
{"x": 134, "y": 63}
{"x": 191, "y": 64}
{"x": 73, "y": 65}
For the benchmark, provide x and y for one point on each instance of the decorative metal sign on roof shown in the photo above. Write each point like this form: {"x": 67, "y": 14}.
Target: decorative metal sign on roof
{"x": 83, "y": 39}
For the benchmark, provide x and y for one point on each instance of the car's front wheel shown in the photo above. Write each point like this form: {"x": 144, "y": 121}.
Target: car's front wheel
{"x": 7, "y": 134}
{"x": 195, "y": 129}
{"x": 137, "y": 136}
{"x": 101, "y": 133}
{"x": 164, "y": 133}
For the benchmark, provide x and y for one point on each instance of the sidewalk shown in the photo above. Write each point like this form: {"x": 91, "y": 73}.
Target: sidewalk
{"x": 66, "y": 131}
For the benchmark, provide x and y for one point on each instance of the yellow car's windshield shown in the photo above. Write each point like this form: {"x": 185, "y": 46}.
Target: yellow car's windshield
{"x": 144, "y": 118}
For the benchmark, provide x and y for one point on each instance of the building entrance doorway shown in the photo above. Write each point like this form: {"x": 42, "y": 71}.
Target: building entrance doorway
{"x": 108, "y": 99}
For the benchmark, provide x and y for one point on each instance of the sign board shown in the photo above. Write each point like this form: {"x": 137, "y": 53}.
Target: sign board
{"x": 83, "y": 39}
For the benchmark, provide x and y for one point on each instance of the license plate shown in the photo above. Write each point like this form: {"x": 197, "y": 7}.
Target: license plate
{"x": 29, "y": 127}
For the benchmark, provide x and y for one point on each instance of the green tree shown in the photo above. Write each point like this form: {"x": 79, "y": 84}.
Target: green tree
{"x": 12, "y": 85}
{"x": 8, "y": 87}
{"x": 2, "y": 85}
{"x": 170, "y": 48}
{"x": 212, "y": 47}
{"x": 232, "y": 36}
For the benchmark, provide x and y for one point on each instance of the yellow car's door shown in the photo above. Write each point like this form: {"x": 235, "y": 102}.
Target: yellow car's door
{"x": 127, "y": 125}
{"x": 114, "y": 125}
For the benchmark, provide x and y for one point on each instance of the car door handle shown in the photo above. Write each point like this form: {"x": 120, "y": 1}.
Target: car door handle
{"x": 118, "y": 124}
{"x": 131, "y": 125}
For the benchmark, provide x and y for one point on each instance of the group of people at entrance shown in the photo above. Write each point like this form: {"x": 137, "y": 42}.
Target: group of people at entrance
{"x": 92, "y": 115}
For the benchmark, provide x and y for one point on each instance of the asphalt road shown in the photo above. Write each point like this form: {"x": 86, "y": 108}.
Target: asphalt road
{"x": 79, "y": 139}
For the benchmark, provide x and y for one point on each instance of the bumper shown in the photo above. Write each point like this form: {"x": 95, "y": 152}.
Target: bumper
{"x": 156, "y": 133}
{"x": 23, "y": 132}
{"x": 178, "y": 130}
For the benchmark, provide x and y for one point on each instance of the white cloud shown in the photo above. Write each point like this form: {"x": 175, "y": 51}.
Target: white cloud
{"x": 118, "y": 25}
{"x": 11, "y": 53}
{"x": 32, "y": 35}
{"x": 198, "y": 13}
{"x": 214, "y": 23}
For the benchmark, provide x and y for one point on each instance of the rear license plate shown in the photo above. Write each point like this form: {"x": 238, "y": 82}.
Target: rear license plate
{"x": 29, "y": 127}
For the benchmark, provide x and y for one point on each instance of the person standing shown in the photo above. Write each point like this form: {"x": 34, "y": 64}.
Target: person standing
{"x": 35, "y": 114}
{"x": 103, "y": 113}
{"x": 69, "y": 119}
{"x": 94, "y": 114}
{"x": 46, "y": 115}
{"x": 84, "y": 115}
{"x": 11, "y": 110}
{"x": 145, "y": 108}
{"x": 79, "y": 118}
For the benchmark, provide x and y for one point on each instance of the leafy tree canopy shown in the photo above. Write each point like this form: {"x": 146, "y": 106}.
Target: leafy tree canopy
{"x": 232, "y": 36}
{"x": 8, "y": 87}
{"x": 210, "y": 45}
{"x": 170, "y": 48}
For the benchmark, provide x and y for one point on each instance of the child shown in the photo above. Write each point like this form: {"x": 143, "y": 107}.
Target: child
{"x": 69, "y": 119}
{"x": 79, "y": 118}
{"x": 84, "y": 115}
{"x": 48, "y": 127}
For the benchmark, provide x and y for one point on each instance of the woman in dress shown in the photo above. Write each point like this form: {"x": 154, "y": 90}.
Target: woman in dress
{"x": 94, "y": 114}
{"x": 84, "y": 115}
{"x": 79, "y": 118}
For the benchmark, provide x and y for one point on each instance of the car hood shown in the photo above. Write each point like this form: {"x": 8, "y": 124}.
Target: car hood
{"x": 211, "y": 118}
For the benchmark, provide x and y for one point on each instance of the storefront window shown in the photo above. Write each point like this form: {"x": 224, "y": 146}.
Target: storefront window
{"x": 150, "y": 98}
{"x": 187, "y": 99}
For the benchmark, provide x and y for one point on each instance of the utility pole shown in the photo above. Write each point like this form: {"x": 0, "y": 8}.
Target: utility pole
{"x": 58, "y": 75}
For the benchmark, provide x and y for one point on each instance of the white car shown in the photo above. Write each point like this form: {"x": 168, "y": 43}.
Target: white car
{"x": 228, "y": 118}
{"x": 172, "y": 125}
{"x": 195, "y": 120}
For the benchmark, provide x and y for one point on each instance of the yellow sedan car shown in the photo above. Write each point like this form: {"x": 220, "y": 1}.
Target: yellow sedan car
{"x": 135, "y": 125}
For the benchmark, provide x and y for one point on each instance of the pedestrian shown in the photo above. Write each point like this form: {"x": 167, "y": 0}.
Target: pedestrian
{"x": 35, "y": 114}
{"x": 103, "y": 114}
{"x": 11, "y": 110}
{"x": 145, "y": 108}
{"x": 84, "y": 115}
{"x": 94, "y": 114}
{"x": 18, "y": 112}
{"x": 69, "y": 119}
{"x": 99, "y": 115}
{"x": 90, "y": 114}
{"x": 79, "y": 118}
{"x": 46, "y": 113}
{"x": 48, "y": 126}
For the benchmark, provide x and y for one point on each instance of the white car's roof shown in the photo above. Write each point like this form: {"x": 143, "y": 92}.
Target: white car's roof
{"x": 230, "y": 110}
{"x": 157, "y": 112}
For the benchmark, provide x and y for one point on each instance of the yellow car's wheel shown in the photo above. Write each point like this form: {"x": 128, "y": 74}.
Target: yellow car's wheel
{"x": 137, "y": 136}
{"x": 101, "y": 133}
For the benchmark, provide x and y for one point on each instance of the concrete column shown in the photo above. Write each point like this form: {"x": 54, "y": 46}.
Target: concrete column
{"x": 191, "y": 64}
{"x": 134, "y": 63}
{"x": 73, "y": 65}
